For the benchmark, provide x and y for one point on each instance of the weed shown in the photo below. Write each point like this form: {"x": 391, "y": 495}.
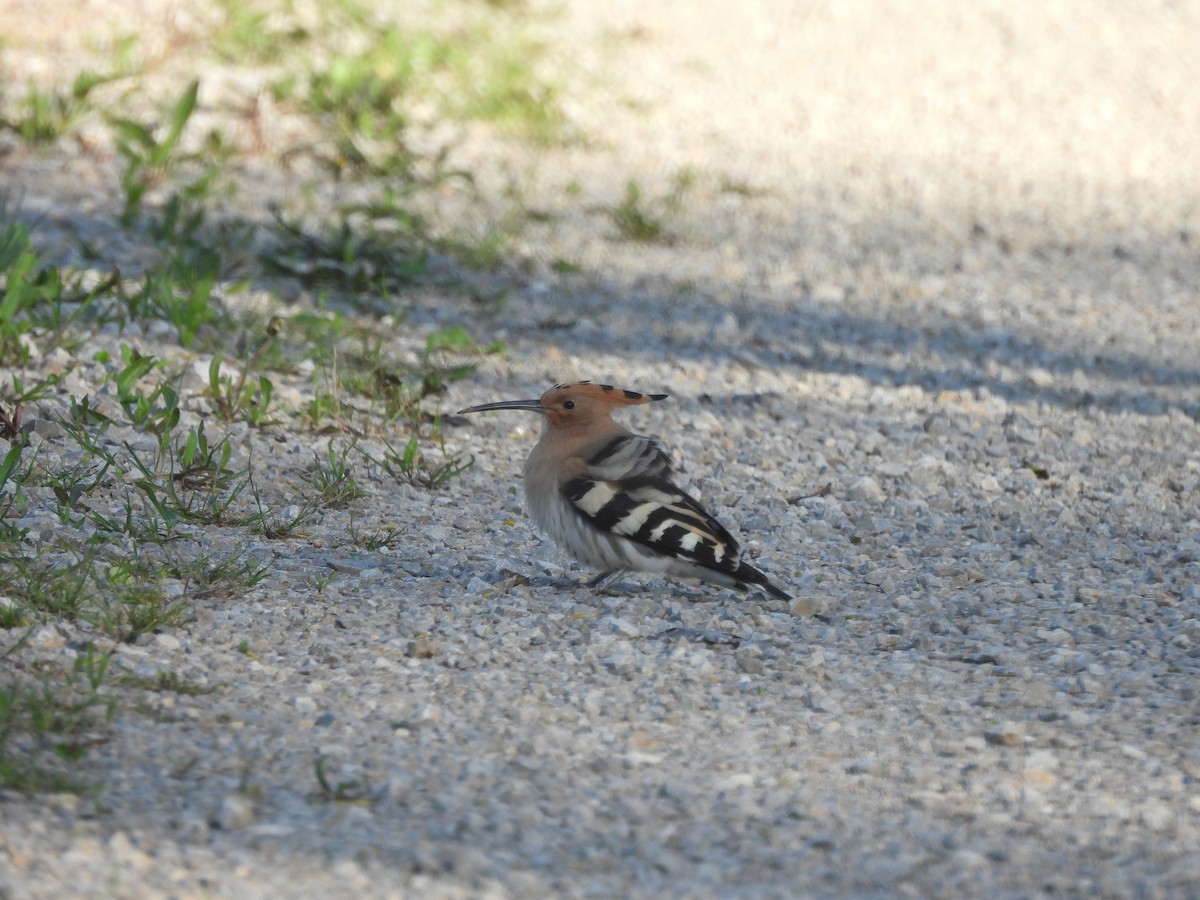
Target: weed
{"x": 34, "y": 295}
{"x": 216, "y": 575}
{"x": 250, "y": 35}
{"x": 729, "y": 184}
{"x": 375, "y": 256}
{"x": 71, "y": 484}
{"x": 183, "y": 299}
{"x": 45, "y": 116}
{"x": 382, "y": 537}
{"x": 634, "y": 220}
{"x": 50, "y": 585}
{"x": 639, "y": 219}
{"x": 412, "y": 466}
{"x": 205, "y": 467}
{"x": 331, "y": 479}
{"x": 9, "y": 533}
{"x": 52, "y": 723}
{"x": 327, "y": 407}
{"x": 251, "y": 401}
{"x": 211, "y": 491}
{"x": 12, "y": 614}
{"x": 565, "y": 266}
{"x": 498, "y": 82}
{"x": 167, "y": 682}
{"x": 288, "y": 522}
{"x": 157, "y": 411}
{"x": 21, "y": 395}
{"x": 11, "y": 426}
{"x": 322, "y": 581}
{"x": 246, "y": 399}
{"x": 404, "y": 387}
{"x": 351, "y": 790}
{"x": 9, "y": 465}
{"x": 485, "y": 69}
{"x": 150, "y": 158}
{"x": 134, "y": 602}
{"x": 484, "y": 250}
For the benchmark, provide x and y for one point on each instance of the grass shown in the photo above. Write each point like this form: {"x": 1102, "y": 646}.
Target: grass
{"x": 483, "y": 68}
{"x": 331, "y": 479}
{"x": 168, "y": 682}
{"x": 49, "y": 718}
{"x": 40, "y": 303}
{"x": 413, "y": 464}
{"x": 185, "y": 337}
{"x": 44, "y": 115}
{"x": 154, "y": 153}
{"x": 357, "y": 254}
{"x": 648, "y": 220}
{"x": 347, "y": 790}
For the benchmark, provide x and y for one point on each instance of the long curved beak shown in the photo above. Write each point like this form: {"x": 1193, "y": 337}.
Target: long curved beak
{"x": 530, "y": 405}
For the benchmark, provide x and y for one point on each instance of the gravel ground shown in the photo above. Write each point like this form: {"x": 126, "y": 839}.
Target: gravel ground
{"x": 940, "y": 257}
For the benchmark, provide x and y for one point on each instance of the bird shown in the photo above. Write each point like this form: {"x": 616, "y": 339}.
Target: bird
{"x": 606, "y": 495}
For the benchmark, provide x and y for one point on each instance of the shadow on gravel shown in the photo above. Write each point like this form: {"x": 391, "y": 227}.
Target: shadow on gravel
{"x": 901, "y": 346}
{"x": 913, "y": 347}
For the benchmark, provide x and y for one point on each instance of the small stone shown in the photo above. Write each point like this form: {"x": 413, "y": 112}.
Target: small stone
{"x": 997, "y": 655}
{"x": 866, "y": 489}
{"x": 46, "y": 637}
{"x": 819, "y": 701}
{"x": 829, "y": 292}
{"x": 1007, "y": 734}
{"x": 622, "y": 626}
{"x": 1157, "y": 815}
{"x": 47, "y": 429}
{"x": 167, "y": 642}
{"x": 65, "y": 803}
{"x": 869, "y": 766}
{"x": 421, "y": 648}
{"x": 235, "y": 813}
{"x": 735, "y": 781}
{"x": 1039, "y": 377}
{"x": 352, "y": 567}
{"x": 889, "y": 642}
{"x": 122, "y": 852}
{"x": 803, "y": 606}
{"x": 478, "y": 587}
{"x": 750, "y": 661}
{"x": 1040, "y": 779}
{"x": 968, "y": 860}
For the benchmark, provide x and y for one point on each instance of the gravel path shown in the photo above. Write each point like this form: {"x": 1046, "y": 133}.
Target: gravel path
{"x": 940, "y": 257}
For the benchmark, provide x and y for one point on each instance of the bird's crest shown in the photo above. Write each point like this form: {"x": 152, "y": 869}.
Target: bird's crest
{"x": 605, "y": 393}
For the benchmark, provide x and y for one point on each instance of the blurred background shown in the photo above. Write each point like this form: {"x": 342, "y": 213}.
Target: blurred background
{"x": 813, "y": 151}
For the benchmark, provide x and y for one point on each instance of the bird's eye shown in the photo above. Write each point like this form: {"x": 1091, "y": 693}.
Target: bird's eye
{"x": 568, "y": 404}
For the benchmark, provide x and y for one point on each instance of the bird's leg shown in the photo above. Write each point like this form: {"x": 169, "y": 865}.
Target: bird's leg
{"x": 605, "y": 580}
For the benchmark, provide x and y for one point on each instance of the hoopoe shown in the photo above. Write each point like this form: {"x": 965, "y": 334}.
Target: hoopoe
{"x": 604, "y": 494}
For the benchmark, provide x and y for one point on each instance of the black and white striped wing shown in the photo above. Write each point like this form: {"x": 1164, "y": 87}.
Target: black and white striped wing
{"x": 629, "y": 456}
{"x": 652, "y": 512}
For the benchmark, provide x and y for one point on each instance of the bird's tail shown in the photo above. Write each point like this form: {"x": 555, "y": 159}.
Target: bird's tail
{"x": 747, "y": 577}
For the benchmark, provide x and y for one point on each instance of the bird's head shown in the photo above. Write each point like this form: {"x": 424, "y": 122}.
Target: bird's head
{"x": 574, "y": 405}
